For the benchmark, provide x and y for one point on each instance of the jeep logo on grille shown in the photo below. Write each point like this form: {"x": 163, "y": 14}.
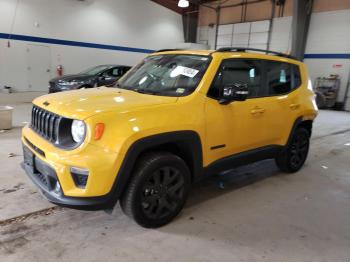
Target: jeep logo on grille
{"x": 46, "y": 103}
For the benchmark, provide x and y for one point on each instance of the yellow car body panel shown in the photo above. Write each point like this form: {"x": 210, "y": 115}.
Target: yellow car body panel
{"x": 129, "y": 116}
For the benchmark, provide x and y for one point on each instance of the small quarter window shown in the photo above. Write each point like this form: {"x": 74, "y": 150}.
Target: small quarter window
{"x": 297, "y": 78}
{"x": 278, "y": 77}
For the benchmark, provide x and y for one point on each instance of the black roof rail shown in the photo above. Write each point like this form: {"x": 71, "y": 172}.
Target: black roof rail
{"x": 167, "y": 50}
{"x": 245, "y": 49}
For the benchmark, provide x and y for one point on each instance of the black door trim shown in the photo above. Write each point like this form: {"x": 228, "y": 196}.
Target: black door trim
{"x": 241, "y": 159}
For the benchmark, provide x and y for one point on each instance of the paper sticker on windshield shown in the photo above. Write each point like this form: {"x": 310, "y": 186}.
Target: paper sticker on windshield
{"x": 182, "y": 70}
{"x": 180, "y": 90}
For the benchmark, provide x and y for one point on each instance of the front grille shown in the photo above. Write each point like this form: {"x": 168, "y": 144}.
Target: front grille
{"x": 45, "y": 123}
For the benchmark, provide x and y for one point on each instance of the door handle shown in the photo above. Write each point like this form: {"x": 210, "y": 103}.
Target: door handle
{"x": 294, "y": 106}
{"x": 256, "y": 111}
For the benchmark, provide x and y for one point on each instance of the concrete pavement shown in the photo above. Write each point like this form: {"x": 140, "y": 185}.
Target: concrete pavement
{"x": 254, "y": 213}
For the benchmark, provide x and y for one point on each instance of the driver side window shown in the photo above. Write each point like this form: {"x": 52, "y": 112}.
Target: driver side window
{"x": 238, "y": 71}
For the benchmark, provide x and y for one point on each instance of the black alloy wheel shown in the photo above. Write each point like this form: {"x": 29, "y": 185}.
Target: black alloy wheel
{"x": 294, "y": 155}
{"x": 158, "y": 189}
{"x": 298, "y": 150}
{"x": 162, "y": 193}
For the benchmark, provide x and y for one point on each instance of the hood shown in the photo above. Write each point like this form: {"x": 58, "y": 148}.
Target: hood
{"x": 69, "y": 78}
{"x": 81, "y": 104}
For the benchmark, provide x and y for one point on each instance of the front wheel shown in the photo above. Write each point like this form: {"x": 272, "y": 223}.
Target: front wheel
{"x": 294, "y": 155}
{"x": 158, "y": 189}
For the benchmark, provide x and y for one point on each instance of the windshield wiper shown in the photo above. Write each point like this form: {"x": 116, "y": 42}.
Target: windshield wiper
{"x": 141, "y": 90}
{"x": 146, "y": 91}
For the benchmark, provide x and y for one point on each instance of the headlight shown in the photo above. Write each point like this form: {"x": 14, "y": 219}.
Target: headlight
{"x": 78, "y": 131}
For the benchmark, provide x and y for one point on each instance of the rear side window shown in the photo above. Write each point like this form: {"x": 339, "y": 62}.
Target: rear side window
{"x": 238, "y": 71}
{"x": 278, "y": 78}
{"x": 282, "y": 78}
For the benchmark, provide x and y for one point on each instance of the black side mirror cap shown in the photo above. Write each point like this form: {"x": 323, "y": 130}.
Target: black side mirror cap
{"x": 235, "y": 92}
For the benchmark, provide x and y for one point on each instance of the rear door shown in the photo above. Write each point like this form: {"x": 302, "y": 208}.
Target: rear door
{"x": 283, "y": 100}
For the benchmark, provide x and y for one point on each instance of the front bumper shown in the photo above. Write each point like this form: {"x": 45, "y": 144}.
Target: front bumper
{"x": 51, "y": 165}
{"x": 45, "y": 178}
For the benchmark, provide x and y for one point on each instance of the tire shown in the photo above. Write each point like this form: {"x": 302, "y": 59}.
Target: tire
{"x": 157, "y": 191}
{"x": 294, "y": 155}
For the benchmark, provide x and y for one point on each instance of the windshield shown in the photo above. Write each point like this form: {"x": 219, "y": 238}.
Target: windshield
{"x": 168, "y": 75}
{"x": 94, "y": 70}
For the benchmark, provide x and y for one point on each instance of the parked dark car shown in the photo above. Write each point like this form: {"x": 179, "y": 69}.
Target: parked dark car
{"x": 102, "y": 75}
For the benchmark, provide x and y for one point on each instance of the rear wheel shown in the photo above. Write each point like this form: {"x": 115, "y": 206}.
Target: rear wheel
{"x": 158, "y": 189}
{"x": 294, "y": 155}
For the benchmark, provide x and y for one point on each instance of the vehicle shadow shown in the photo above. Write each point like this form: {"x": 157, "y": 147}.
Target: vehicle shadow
{"x": 234, "y": 179}
{"x": 217, "y": 213}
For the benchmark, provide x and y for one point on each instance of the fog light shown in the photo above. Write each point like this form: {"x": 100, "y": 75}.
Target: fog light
{"x": 80, "y": 176}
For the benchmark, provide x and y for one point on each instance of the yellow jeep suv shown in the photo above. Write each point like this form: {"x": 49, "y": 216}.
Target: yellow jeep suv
{"x": 174, "y": 118}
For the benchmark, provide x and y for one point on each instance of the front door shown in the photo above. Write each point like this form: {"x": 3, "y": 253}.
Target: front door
{"x": 241, "y": 125}
{"x": 38, "y": 67}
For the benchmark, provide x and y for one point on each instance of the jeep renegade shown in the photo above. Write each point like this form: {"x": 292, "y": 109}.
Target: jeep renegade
{"x": 176, "y": 117}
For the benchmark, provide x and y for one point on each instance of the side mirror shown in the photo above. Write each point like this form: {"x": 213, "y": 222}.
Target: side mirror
{"x": 234, "y": 92}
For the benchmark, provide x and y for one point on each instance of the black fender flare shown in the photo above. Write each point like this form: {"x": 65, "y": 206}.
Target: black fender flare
{"x": 296, "y": 124}
{"x": 294, "y": 127}
{"x": 187, "y": 140}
